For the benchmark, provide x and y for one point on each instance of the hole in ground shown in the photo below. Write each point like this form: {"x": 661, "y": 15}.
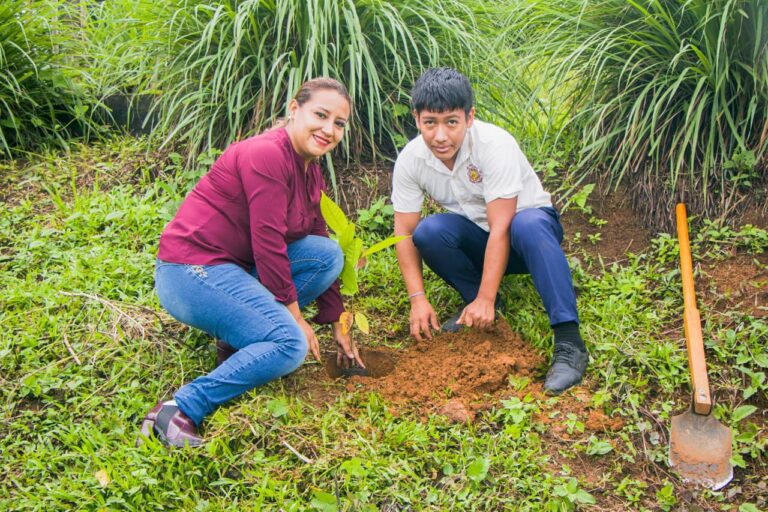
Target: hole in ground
{"x": 377, "y": 364}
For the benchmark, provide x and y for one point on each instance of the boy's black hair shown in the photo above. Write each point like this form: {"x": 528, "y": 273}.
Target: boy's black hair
{"x": 441, "y": 90}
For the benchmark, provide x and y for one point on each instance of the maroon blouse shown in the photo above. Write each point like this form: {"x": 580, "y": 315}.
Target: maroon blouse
{"x": 255, "y": 200}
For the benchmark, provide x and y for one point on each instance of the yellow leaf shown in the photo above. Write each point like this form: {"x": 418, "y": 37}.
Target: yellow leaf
{"x": 346, "y": 321}
{"x": 362, "y": 322}
{"x": 102, "y": 477}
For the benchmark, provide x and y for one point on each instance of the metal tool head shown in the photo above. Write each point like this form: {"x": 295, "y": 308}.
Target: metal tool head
{"x": 700, "y": 450}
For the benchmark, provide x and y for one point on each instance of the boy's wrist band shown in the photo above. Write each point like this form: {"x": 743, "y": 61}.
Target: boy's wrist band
{"x": 415, "y": 294}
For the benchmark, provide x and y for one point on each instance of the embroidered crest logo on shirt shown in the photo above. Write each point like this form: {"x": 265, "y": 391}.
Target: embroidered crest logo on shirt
{"x": 474, "y": 174}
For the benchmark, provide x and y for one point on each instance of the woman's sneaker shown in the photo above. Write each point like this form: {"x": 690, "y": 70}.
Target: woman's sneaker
{"x": 171, "y": 426}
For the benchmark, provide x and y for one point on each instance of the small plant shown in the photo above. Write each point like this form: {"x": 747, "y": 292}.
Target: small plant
{"x": 355, "y": 257}
{"x": 378, "y": 218}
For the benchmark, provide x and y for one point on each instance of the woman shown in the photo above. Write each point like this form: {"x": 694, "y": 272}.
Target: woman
{"x": 247, "y": 250}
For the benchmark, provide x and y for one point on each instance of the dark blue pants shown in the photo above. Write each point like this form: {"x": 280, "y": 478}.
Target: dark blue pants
{"x": 454, "y": 248}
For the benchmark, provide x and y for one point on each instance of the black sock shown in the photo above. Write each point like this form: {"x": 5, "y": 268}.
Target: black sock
{"x": 568, "y": 332}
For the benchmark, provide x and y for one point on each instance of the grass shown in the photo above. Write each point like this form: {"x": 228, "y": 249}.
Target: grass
{"x": 668, "y": 96}
{"x": 40, "y": 100}
{"x": 232, "y": 66}
{"x": 85, "y": 350}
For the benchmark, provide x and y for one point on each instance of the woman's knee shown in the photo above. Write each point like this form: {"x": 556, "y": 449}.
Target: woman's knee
{"x": 293, "y": 344}
{"x": 330, "y": 253}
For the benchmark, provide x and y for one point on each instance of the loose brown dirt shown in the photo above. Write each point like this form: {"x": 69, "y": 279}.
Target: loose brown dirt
{"x": 467, "y": 368}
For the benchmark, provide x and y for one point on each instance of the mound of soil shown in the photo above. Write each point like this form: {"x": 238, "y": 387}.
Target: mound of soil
{"x": 453, "y": 374}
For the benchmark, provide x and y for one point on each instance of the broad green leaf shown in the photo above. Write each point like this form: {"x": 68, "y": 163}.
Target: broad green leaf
{"x": 349, "y": 273}
{"x": 333, "y": 215}
{"x": 353, "y": 467}
{"x": 383, "y": 244}
{"x": 362, "y": 322}
{"x": 748, "y": 507}
{"x": 324, "y": 501}
{"x": 742, "y": 412}
{"x": 478, "y": 470}
{"x": 278, "y": 407}
{"x": 346, "y": 236}
{"x": 597, "y": 447}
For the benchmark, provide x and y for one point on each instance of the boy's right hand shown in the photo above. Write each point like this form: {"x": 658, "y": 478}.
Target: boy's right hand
{"x": 423, "y": 317}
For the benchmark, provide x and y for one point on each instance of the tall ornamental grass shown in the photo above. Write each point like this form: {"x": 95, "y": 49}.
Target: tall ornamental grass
{"x": 235, "y": 64}
{"x": 40, "y": 102}
{"x": 669, "y": 96}
{"x": 119, "y": 48}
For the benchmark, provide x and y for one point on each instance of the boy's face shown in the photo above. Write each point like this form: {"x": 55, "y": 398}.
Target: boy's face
{"x": 444, "y": 132}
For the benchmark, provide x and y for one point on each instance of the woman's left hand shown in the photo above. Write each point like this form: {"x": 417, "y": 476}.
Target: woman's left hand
{"x": 347, "y": 354}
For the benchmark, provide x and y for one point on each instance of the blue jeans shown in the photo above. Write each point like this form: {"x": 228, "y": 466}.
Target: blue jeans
{"x": 454, "y": 248}
{"x": 231, "y": 304}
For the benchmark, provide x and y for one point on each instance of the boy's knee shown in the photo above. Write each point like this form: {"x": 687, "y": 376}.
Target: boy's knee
{"x": 528, "y": 230}
{"x": 427, "y": 232}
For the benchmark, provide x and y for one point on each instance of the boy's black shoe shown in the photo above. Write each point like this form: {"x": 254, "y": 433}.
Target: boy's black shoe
{"x": 569, "y": 363}
{"x": 450, "y": 325}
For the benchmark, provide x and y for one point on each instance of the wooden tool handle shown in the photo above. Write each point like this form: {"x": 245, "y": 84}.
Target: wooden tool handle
{"x": 697, "y": 363}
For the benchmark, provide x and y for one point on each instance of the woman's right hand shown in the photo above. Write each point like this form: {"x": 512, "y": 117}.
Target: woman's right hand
{"x": 314, "y": 345}
{"x": 309, "y": 333}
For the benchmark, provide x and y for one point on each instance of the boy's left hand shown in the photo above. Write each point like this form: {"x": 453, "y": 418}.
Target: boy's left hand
{"x": 479, "y": 313}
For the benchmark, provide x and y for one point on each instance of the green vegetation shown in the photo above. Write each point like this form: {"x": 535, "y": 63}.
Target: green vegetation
{"x": 86, "y": 350}
{"x": 40, "y": 101}
{"x": 669, "y": 96}
{"x": 666, "y": 96}
{"x": 255, "y": 54}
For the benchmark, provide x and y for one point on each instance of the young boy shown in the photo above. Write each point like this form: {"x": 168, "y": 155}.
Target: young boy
{"x": 500, "y": 221}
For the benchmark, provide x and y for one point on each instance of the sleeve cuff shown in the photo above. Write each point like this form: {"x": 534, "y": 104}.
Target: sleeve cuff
{"x": 328, "y": 316}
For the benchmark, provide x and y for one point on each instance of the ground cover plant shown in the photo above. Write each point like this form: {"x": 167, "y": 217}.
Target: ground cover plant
{"x": 86, "y": 350}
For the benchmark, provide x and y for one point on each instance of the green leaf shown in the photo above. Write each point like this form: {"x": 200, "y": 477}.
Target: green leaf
{"x": 346, "y": 237}
{"x": 383, "y": 244}
{"x": 597, "y": 447}
{"x": 278, "y": 407}
{"x": 324, "y": 501}
{"x": 478, "y": 470}
{"x": 738, "y": 461}
{"x": 333, "y": 215}
{"x": 362, "y": 322}
{"x": 748, "y": 507}
{"x": 762, "y": 360}
{"x": 353, "y": 467}
{"x": 349, "y": 273}
{"x": 742, "y": 412}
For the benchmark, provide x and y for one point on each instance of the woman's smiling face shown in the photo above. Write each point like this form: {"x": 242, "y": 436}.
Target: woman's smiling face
{"x": 317, "y": 125}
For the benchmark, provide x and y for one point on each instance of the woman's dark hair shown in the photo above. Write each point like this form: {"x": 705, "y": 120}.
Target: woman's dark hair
{"x": 441, "y": 90}
{"x": 304, "y": 94}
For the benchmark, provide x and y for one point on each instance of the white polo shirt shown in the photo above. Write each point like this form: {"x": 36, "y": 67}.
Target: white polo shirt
{"x": 489, "y": 165}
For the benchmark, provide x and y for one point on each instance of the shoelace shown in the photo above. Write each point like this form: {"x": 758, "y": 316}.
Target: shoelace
{"x": 566, "y": 353}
